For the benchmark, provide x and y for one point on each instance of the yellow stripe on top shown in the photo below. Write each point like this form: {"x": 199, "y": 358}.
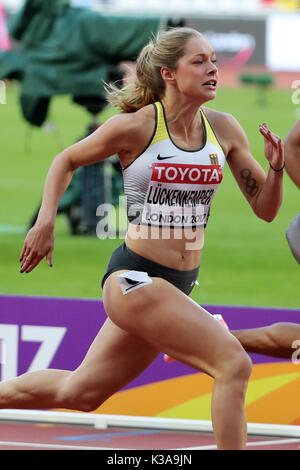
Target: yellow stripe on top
{"x": 210, "y": 135}
{"x": 161, "y": 132}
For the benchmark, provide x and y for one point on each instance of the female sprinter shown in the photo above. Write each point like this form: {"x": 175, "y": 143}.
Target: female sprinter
{"x": 172, "y": 152}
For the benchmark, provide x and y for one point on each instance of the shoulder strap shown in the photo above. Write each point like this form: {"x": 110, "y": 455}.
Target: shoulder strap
{"x": 161, "y": 132}
{"x": 211, "y": 136}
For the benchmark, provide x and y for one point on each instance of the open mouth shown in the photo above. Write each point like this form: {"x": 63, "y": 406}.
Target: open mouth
{"x": 210, "y": 84}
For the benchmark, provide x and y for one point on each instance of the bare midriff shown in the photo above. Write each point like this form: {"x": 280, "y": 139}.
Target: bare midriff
{"x": 175, "y": 248}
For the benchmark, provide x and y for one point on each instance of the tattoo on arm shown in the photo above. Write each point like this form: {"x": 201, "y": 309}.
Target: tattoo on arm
{"x": 250, "y": 183}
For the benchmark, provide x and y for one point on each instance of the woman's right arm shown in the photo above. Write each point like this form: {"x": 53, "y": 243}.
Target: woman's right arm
{"x": 109, "y": 139}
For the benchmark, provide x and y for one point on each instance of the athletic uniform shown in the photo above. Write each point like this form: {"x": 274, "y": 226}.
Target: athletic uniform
{"x": 166, "y": 186}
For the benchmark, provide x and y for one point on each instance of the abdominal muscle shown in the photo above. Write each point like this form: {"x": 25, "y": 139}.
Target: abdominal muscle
{"x": 175, "y": 248}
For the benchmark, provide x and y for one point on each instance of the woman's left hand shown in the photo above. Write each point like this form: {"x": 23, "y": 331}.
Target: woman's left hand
{"x": 273, "y": 147}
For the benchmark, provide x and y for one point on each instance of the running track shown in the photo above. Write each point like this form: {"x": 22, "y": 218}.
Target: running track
{"x": 16, "y": 435}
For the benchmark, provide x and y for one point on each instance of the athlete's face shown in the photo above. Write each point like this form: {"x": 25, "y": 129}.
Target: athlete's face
{"x": 197, "y": 74}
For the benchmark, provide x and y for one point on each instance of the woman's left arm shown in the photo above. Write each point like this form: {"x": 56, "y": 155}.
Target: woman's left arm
{"x": 263, "y": 192}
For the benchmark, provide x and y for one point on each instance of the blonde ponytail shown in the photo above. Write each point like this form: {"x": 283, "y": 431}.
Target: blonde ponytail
{"x": 148, "y": 86}
{"x": 139, "y": 92}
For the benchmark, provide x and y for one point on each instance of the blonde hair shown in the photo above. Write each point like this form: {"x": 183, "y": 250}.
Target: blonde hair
{"x": 163, "y": 51}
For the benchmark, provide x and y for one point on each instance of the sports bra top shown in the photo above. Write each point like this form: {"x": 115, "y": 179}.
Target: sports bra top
{"x": 166, "y": 186}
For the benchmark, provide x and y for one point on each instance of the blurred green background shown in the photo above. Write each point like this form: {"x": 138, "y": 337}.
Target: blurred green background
{"x": 246, "y": 261}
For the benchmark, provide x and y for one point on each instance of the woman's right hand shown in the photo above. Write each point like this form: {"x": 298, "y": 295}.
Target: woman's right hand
{"x": 38, "y": 244}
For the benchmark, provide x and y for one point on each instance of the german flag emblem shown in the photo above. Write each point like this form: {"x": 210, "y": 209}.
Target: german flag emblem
{"x": 214, "y": 159}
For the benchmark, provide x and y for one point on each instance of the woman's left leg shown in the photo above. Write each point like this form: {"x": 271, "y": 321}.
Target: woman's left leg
{"x": 114, "y": 359}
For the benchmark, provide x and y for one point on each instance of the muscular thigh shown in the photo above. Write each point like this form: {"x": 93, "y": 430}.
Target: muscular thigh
{"x": 172, "y": 323}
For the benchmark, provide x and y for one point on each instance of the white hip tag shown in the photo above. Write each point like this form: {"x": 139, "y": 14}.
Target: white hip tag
{"x": 132, "y": 280}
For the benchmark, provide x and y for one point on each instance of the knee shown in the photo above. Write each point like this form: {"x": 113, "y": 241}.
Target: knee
{"x": 76, "y": 396}
{"x": 237, "y": 366}
{"x": 84, "y": 403}
{"x": 242, "y": 367}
